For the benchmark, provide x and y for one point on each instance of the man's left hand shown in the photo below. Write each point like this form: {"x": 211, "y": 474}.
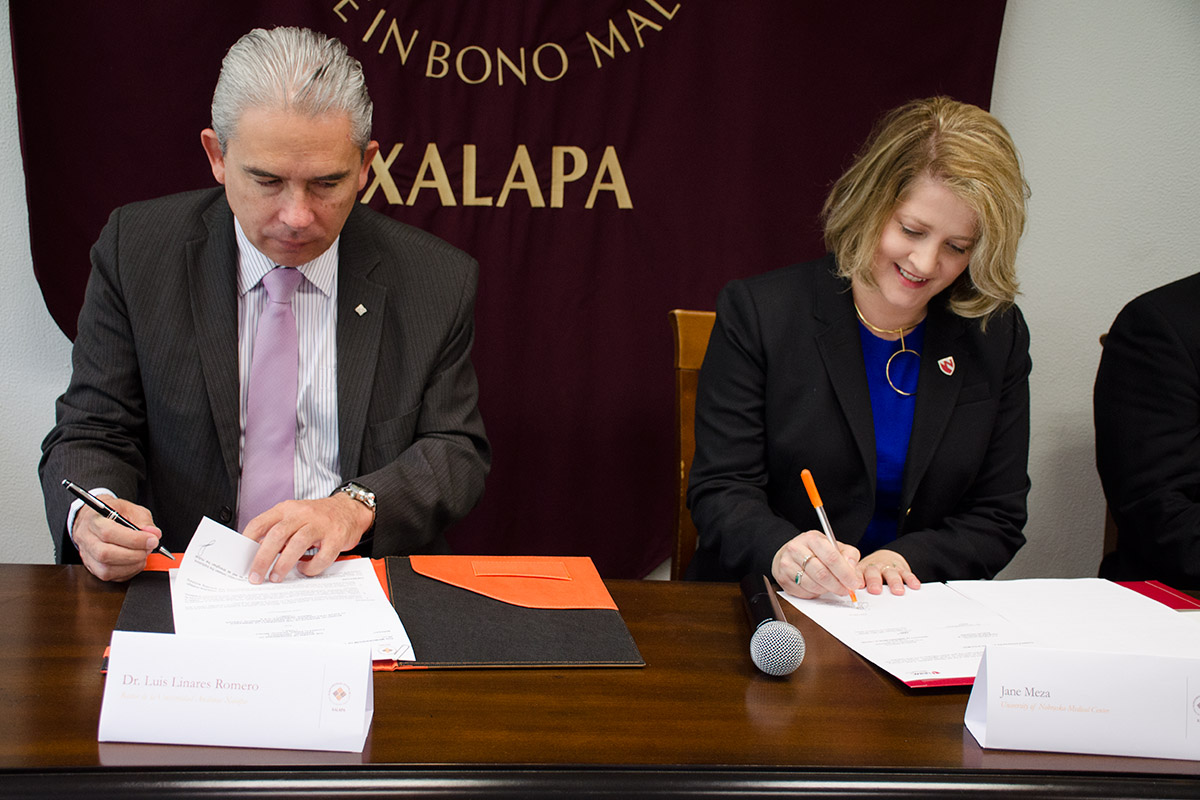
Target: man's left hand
{"x": 289, "y": 529}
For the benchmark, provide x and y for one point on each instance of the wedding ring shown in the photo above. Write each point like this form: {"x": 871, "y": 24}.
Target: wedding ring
{"x": 804, "y": 563}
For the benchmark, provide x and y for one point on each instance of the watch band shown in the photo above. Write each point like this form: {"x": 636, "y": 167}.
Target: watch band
{"x": 359, "y": 492}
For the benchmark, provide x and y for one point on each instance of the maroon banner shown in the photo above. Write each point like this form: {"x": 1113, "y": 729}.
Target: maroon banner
{"x": 605, "y": 162}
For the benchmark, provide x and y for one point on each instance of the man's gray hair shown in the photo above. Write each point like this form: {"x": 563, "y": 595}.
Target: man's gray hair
{"x": 291, "y": 69}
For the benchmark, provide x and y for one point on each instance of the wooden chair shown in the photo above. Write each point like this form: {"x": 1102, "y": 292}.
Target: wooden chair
{"x": 691, "y": 330}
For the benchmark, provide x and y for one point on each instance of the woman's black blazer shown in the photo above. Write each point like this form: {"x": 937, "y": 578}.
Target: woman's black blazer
{"x": 783, "y": 387}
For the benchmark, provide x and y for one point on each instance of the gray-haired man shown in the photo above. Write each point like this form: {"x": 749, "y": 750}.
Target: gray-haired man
{"x": 389, "y": 447}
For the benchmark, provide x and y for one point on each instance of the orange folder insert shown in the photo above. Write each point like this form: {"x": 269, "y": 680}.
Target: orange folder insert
{"x": 528, "y": 581}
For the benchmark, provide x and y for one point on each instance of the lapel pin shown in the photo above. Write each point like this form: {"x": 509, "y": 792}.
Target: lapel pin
{"x": 946, "y": 365}
{"x": 360, "y": 309}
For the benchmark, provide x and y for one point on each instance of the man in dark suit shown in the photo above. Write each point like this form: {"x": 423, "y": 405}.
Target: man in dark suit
{"x": 1147, "y": 416}
{"x": 389, "y": 447}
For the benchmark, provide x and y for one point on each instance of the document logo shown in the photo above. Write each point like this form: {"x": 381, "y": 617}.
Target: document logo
{"x": 339, "y": 693}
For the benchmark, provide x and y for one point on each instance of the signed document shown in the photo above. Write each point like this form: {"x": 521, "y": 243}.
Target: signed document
{"x": 936, "y": 635}
{"x": 211, "y": 597}
{"x": 933, "y": 636}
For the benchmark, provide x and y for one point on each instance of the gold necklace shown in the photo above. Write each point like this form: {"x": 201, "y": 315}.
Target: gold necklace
{"x": 887, "y": 369}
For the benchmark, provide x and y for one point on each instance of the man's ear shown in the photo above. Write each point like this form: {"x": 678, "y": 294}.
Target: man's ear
{"x": 368, "y": 156}
{"x": 212, "y": 148}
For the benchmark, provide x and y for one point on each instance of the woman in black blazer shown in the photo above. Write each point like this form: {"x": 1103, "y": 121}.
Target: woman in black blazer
{"x": 895, "y": 369}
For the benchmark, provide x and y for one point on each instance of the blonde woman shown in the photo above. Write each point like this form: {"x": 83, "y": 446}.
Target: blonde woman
{"x": 895, "y": 369}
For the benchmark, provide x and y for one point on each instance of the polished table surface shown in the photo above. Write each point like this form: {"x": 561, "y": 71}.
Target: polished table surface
{"x": 697, "y": 719}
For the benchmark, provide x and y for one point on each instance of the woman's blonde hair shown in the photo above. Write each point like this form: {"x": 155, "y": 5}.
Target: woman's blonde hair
{"x": 969, "y": 151}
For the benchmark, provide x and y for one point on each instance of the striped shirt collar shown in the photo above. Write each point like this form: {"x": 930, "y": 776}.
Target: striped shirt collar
{"x": 253, "y": 265}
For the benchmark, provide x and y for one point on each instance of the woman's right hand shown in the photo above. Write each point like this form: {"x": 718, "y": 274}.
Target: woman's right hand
{"x": 809, "y": 566}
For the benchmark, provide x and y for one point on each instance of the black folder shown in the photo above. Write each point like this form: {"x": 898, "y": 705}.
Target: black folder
{"x": 450, "y": 626}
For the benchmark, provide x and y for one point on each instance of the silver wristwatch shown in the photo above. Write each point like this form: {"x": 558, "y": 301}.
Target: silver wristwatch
{"x": 360, "y": 493}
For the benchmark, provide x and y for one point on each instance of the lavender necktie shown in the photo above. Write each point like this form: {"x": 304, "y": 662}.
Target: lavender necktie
{"x": 270, "y": 448}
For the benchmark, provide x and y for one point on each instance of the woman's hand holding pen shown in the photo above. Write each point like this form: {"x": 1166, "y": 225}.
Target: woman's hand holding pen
{"x": 810, "y": 565}
{"x": 887, "y": 566}
{"x": 111, "y": 551}
{"x": 870, "y": 572}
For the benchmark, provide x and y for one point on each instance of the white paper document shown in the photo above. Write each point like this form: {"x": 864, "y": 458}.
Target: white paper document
{"x": 166, "y": 689}
{"x": 930, "y": 637}
{"x": 1086, "y": 614}
{"x": 345, "y": 604}
{"x": 935, "y": 636}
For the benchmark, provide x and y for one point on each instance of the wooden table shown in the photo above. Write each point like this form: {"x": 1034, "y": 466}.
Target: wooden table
{"x": 697, "y": 720}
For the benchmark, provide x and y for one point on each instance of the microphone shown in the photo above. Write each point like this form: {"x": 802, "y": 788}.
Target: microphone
{"x": 776, "y": 646}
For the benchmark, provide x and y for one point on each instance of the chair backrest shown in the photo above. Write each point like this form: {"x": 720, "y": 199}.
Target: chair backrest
{"x": 691, "y": 330}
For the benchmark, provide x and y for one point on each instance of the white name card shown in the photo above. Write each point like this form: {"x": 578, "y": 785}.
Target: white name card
{"x": 165, "y": 689}
{"x": 1076, "y": 701}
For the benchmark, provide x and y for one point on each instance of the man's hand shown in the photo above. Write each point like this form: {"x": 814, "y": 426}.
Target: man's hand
{"x": 334, "y": 524}
{"x": 109, "y": 550}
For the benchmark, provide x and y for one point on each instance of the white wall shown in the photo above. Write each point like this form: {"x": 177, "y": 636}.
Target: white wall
{"x": 34, "y": 354}
{"x": 1102, "y": 98}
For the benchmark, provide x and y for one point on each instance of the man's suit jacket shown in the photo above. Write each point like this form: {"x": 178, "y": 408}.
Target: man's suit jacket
{"x": 1147, "y": 416}
{"x": 151, "y": 411}
{"x": 783, "y": 387}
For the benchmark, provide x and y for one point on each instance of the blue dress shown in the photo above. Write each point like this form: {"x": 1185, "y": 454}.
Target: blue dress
{"x": 892, "y": 413}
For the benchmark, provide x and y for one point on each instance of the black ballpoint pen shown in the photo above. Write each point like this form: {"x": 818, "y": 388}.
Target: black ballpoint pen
{"x": 103, "y": 509}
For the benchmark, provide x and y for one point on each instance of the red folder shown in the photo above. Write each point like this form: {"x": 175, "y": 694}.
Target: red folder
{"x": 1171, "y": 598}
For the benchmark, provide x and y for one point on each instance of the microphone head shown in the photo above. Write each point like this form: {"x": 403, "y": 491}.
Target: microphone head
{"x": 777, "y": 647}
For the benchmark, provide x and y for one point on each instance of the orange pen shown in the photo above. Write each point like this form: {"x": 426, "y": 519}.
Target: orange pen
{"x": 807, "y": 477}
